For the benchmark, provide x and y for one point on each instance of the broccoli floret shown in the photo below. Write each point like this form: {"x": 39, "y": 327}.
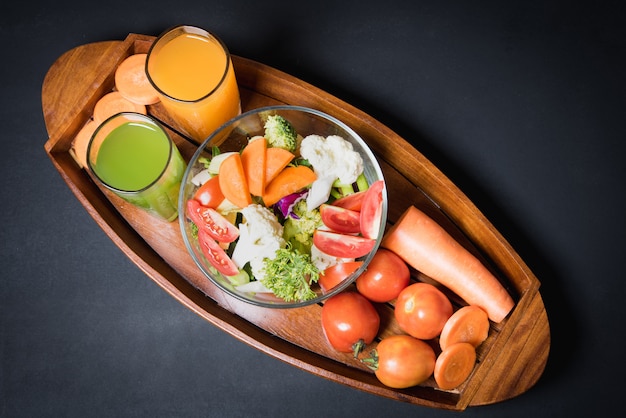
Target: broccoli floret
{"x": 280, "y": 133}
{"x": 289, "y": 274}
{"x": 298, "y": 230}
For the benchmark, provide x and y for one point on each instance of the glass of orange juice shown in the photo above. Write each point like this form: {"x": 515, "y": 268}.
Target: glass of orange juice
{"x": 193, "y": 73}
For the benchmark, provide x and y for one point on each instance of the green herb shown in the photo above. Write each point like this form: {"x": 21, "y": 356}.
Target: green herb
{"x": 288, "y": 275}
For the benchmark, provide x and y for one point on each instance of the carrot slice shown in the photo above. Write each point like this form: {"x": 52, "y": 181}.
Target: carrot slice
{"x": 233, "y": 183}
{"x": 454, "y": 365}
{"x": 81, "y": 142}
{"x": 276, "y": 160}
{"x": 131, "y": 80}
{"x": 289, "y": 180}
{"x": 253, "y": 160}
{"x": 427, "y": 247}
{"x": 469, "y": 324}
{"x": 113, "y": 103}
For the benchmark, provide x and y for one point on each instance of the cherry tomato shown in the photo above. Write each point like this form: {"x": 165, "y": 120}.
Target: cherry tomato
{"x": 337, "y": 273}
{"x": 210, "y": 194}
{"x": 349, "y": 322}
{"x": 342, "y": 245}
{"x": 385, "y": 277}
{"x": 402, "y": 361}
{"x": 212, "y": 222}
{"x": 372, "y": 209}
{"x": 352, "y": 201}
{"x": 216, "y": 255}
{"x": 340, "y": 219}
{"x": 422, "y": 310}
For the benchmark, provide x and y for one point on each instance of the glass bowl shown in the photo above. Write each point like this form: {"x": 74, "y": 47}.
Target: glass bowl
{"x": 233, "y": 136}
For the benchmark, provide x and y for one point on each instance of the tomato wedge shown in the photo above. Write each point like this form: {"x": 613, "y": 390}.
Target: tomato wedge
{"x": 340, "y": 219}
{"x": 342, "y": 245}
{"x": 210, "y": 194}
{"x": 212, "y": 222}
{"x": 337, "y": 273}
{"x": 216, "y": 255}
{"x": 352, "y": 201}
{"x": 372, "y": 209}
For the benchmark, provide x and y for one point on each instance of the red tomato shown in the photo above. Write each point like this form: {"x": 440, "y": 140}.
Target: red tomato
{"x": 210, "y": 221}
{"x": 335, "y": 274}
{"x": 341, "y": 245}
{"x": 403, "y": 361}
{"x": 372, "y": 210}
{"x": 385, "y": 277}
{"x": 216, "y": 255}
{"x": 340, "y": 219}
{"x": 349, "y": 322}
{"x": 210, "y": 194}
{"x": 352, "y": 201}
{"x": 422, "y": 310}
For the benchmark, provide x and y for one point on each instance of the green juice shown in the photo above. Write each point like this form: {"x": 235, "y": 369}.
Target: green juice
{"x": 132, "y": 156}
{"x": 139, "y": 162}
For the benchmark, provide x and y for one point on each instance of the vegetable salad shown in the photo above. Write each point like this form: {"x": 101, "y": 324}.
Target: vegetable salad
{"x": 274, "y": 216}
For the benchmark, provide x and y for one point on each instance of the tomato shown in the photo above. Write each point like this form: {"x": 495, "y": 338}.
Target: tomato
{"x": 402, "y": 361}
{"x": 349, "y": 322}
{"x": 340, "y": 219}
{"x": 372, "y": 210}
{"x": 216, "y": 255}
{"x": 342, "y": 245}
{"x": 385, "y": 277}
{"x": 352, "y": 201}
{"x": 210, "y": 194}
{"x": 337, "y": 273}
{"x": 212, "y": 222}
{"x": 422, "y": 310}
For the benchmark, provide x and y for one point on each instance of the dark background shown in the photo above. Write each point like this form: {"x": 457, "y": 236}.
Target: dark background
{"x": 521, "y": 103}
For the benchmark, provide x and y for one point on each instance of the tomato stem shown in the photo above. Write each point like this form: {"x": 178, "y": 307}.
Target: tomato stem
{"x": 357, "y": 347}
{"x": 372, "y": 360}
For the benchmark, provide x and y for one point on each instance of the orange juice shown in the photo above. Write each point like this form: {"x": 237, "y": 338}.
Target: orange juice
{"x": 193, "y": 72}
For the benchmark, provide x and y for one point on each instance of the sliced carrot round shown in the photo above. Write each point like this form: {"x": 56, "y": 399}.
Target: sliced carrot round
{"x": 81, "y": 141}
{"x": 233, "y": 182}
{"x": 454, "y": 365}
{"x": 276, "y": 159}
{"x": 289, "y": 180}
{"x": 253, "y": 160}
{"x": 131, "y": 80}
{"x": 469, "y": 324}
{"x": 113, "y": 103}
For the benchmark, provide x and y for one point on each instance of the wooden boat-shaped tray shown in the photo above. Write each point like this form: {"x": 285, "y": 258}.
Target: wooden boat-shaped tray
{"x": 509, "y": 362}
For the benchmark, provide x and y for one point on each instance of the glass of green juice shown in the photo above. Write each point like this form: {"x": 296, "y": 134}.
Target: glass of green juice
{"x": 133, "y": 156}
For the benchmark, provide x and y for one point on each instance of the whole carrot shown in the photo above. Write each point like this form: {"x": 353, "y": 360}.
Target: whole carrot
{"x": 426, "y": 246}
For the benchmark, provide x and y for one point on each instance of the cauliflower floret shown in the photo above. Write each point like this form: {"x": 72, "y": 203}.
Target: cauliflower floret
{"x": 332, "y": 155}
{"x": 259, "y": 237}
{"x": 332, "y": 158}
